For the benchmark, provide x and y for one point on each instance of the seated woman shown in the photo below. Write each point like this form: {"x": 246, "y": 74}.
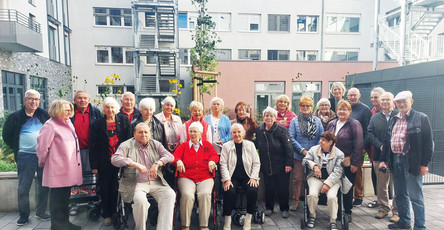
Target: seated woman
{"x": 239, "y": 165}
{"x": 196, "y": 161}
{"x": 324, "y": 161}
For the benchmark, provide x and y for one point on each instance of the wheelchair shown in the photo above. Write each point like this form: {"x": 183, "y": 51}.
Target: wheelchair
{"x": 238, "y": 216}
{"x": 306, "y": 212}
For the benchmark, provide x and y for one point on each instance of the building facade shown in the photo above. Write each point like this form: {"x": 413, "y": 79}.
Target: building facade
{"x": 35, "y": 51}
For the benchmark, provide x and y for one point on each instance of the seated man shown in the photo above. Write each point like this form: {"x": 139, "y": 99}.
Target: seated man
{"x": 325, "y": 161}
{"x": 143, "y": 157}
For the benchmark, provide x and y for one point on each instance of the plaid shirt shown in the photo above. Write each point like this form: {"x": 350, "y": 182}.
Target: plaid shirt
{"x": 399, "y": 134}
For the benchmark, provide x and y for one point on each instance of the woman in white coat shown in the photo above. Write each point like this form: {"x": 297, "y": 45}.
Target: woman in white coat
{"x": 240, "y": 165}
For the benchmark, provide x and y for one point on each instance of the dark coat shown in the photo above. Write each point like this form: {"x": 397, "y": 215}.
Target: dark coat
{"x": 419, "y": 141}
{"x": 13, "y": 126}
{"x": 362, "y": 113}
{"x": 99, "y": 143}
{"x": 158, "y": 130}
{"x": 275, "y": 149}
{"x": 377, "y": 130}
{"x": 94, "y": 114}
{"x": 136, "y": 114}
{"x": 349, "y": 140}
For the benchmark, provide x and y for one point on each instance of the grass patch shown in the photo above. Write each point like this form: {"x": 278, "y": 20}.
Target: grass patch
{"x": 7, "y": 166}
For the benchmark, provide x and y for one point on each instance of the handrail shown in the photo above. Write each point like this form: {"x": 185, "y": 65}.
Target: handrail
{"x": 15, "y": 16}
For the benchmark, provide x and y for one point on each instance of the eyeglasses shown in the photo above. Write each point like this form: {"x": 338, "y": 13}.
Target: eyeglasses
{"x": 33, "y": 99}
{"x": 305, "y": 106}
{"x": 324, "y": 105}
{"x": 68, "y": 111}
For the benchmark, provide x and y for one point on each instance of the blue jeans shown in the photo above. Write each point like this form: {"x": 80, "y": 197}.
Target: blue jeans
{"x": 27, "y": 165}
{"x": 408, "y": 188}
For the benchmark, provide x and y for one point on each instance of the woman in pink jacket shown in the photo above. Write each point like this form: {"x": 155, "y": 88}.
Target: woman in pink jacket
{"x": 59, "y": 154}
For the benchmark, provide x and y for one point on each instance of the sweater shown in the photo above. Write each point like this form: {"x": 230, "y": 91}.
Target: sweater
{"x": 223, "y": 127}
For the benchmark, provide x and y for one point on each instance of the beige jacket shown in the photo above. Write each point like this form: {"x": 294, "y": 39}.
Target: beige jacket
{"x": 250, "y": 157}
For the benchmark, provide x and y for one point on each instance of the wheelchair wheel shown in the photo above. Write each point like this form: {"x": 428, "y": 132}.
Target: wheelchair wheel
{"x": 238, "y": 218}
{"x": 346, "y": 222}
{"x": 93, "y": 214}
{"x": 259, "y": 217}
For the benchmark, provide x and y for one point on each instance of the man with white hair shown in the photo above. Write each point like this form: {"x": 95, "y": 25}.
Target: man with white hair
{"x": 20, "y": 133}
{"x": 128, "y": 109}
{"x": 407, "y": 151}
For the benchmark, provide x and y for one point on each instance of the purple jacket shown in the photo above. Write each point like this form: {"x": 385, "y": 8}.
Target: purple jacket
{"x": 349, "y": 139}
{"x": 58, "y": 152}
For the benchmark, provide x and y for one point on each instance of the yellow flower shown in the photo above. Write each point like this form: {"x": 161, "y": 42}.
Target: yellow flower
{"x": 116, "y": 76}
{"x": 170, "y": 81}
{"x": 179, "y": 85}
{"x": 174, "y": 90}
{"x": 119, "y": 91}
{"x": 107, "y": 80}
{"x": 176, "y": 110}
{"x": 112, "y": 81}
{"x": 174, "y": 81}
{"x": 180, "y": 92}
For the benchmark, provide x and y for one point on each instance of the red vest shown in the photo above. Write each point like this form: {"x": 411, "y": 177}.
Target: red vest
{"x": 205, "y": 125}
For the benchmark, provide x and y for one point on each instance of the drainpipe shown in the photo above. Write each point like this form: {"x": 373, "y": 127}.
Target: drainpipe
{"x": 376, "y": 44}
{"x": 402, "y": 31}
{"x": 321, "y": 56}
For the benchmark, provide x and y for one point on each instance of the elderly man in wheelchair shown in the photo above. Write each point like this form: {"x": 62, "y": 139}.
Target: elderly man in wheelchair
{"x": 325, "y": 175}
{"x": 143, "y": 158}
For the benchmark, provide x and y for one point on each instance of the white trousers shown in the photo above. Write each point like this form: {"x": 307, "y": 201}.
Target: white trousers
{"x": 165, "y": 197}
{"x": 315, "y": 186}
{"x": 187, "y": 190}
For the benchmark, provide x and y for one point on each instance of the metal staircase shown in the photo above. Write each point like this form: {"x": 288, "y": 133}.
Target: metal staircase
{"x": 422, "y": 18}
{"x": 155, "y": 47}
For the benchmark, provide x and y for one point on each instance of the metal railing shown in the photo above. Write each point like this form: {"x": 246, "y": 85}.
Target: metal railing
{"x": 15, "y": 16}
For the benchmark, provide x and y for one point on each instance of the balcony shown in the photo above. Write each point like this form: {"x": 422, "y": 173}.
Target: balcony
{"x": 19, "y": 33}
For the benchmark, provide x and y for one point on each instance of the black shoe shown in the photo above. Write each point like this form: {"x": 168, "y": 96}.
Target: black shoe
{"x": 74, "y": 227}
{"x": 357, "y": 202}
{"x": 22, "y": 221}
{"x": 43, "y": 217}
{"x": 333, "y": 226}
{"x": 349, "y": 217}
{"x": 399, "y": 226}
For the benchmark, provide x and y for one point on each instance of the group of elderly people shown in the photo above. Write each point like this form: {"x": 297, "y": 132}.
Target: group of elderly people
{"x": 204, "y": 148}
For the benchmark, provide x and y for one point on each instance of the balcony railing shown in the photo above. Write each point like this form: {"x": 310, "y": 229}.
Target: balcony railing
{"x": 16, "y": 16}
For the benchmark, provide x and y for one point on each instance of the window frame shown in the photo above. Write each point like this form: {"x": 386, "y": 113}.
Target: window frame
{"x": 249, "y": 54}
{"x": 305, "y": 55}
{"x": 278, "y": 55}
{"x": 216, "y": 18}
{"x": 124, "y": 51}
{"x": 248, "y": 21}
{"x": 299, "y": 89}
{"x": 19, "y": 97}
{"x": 342, "y": 50}
{"x": 42, "y": 88}
{"x": 124, "y": 16}
{"x": 279, "y": 22}
{"x": 349, "y": 16}
{"x": 314, "y": 18}
{"x": 112, "y": 88}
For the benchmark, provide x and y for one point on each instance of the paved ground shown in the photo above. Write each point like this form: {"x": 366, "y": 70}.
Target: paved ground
{"x": 363, "y": 217}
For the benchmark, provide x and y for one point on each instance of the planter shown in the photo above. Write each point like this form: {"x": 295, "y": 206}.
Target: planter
{"x": 8, "y": 189}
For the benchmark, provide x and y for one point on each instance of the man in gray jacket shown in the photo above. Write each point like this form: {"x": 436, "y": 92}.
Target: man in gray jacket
{"x": 144, "y": 157}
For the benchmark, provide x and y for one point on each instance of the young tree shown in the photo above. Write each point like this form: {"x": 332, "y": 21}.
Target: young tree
{"x": 203, "y": 56}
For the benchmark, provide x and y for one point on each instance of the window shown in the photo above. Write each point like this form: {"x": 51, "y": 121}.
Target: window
{"x": 52, "y": 8}
{"x": 113, "y": 17}
{"x": 13, "y": 90}
{"x": 184, "y": 57}
{"x": 278, "y": 22}
{"x": 40, "y": 84}
{"x": 114, "y": 89}
{"x": 222, "y": 21}
{"x": 307, "y": 23}
{"x": 183, "y": 20}
{"x": 53, "y": 42}
{"x": 306, "y": 55}
{"x": 250, "y": 54}
{"x": 114, "y": 55}
{"x": 249, "y": 22}
{"x": 342, "y": 24}
{"x": 309, "y": 89}
{"x": 266, "y": 94}
{"x": 394, "y": 21}
{"x": 65, "y": 13}
{"x": 150, "y": 20}
{"x": 151, "y": 59}
{"x": 31, "y": 23}
{"x": 67, "y": 48}
{"x": 341, "y": 55}
{"x": 223, "y": 54}
{"x": 279, "y": 55}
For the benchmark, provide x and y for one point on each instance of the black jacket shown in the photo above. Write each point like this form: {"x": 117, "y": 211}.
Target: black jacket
{"x": 135, "y": 116}
{"x": 275, "y": 149}
{"x": 376, "y": 132}
{"x": 99, "y": 143}
{"x": 13, "y": 126}
{"x": 94, "y": 114}
{"x": 419, "y": 141}
{"x": 158, "y": 129}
